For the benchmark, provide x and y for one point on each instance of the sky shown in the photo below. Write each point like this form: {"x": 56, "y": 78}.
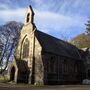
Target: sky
{"x": 63, "y": 19}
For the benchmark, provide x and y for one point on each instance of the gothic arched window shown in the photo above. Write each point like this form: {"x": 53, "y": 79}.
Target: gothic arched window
{"x": 28, "y": 15}
{"x": 65, "y": 63}
{"x": 26, "y": 48}
{"x": 52, "y": 65}
{"x": 76, "y": 68}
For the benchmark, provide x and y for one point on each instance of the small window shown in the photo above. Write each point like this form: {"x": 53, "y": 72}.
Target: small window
{"x": 26, "y": 48}
{"x": 76, "y": 68}
{"x": 65, "y": 66}
{"x": 28, "y": 15}
{"x": 52, "y": 63}
{"x": 89, "y": 73}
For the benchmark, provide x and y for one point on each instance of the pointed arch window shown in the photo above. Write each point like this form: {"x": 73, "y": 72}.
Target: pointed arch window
{"x": 76, "y": 69}
{"x": 26, "y": 48}
{"x": 28, "y": 15}
{"x": 52, "y": 65}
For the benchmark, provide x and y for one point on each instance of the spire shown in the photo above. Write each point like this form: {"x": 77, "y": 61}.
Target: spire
{"x": 29, "y": 15}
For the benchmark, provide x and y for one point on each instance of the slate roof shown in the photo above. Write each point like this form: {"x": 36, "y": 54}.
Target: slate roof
{"x": 57, "y": 46}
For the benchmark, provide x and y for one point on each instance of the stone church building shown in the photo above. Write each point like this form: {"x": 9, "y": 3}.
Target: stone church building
{"x": 44, "y": 59}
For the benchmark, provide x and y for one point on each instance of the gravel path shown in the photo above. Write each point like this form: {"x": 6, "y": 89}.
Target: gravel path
{"x": 8, "y": 86}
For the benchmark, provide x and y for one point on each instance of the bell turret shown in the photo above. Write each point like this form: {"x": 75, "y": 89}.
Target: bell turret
{"x": 29, "y": 15}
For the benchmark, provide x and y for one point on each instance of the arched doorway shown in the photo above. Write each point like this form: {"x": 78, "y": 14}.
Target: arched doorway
{"x": 12, "y": 73}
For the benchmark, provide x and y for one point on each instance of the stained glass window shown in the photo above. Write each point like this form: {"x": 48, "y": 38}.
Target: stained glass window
{"x": 26, "y": 48}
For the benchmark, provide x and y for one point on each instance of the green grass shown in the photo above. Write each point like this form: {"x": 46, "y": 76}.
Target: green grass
{"x": 4, "y": 78}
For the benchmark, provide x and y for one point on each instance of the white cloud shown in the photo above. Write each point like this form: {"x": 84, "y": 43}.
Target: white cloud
{"x": 58, "y": 22}
{"x": 46, "y": 21}
{"x": 12, "y": 14}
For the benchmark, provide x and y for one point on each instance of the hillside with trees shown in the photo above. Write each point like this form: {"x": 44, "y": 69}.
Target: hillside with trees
{"x": 83, "y": 40}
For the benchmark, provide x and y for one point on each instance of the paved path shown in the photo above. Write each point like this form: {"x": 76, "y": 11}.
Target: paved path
{"x": 29, "y": 87}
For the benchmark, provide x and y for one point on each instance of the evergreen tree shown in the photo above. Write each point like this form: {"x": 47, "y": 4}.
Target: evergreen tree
{"x": 88, "y": 27}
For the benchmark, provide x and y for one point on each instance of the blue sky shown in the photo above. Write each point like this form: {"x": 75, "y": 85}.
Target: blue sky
{"x": 64, "y": 19}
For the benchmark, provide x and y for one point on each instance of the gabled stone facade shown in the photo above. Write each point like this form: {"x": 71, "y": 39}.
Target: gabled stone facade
{"x": 28, "y": 50}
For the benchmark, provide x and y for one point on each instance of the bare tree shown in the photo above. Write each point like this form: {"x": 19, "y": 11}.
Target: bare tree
{"x": 9, "y": 35}
{"x": 7, "y": 51}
